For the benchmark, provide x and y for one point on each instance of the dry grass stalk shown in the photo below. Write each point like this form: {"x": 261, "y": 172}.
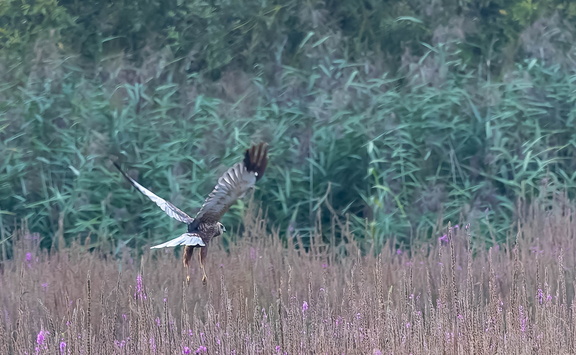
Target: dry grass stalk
{"x": 453, "y": 296}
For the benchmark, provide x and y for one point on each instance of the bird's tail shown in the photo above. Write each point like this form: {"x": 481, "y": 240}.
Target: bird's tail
{"x": 256, "y": 159}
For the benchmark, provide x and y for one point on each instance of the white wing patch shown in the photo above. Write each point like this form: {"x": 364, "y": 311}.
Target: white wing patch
{"x": 185, "y": 239}
{"x": 166, "y": 206}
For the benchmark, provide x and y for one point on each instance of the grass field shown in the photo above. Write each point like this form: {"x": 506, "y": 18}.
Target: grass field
{"x": 451, "y": 296}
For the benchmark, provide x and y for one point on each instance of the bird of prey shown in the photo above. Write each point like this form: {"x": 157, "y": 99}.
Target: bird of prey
{"x": 232, "y": 185}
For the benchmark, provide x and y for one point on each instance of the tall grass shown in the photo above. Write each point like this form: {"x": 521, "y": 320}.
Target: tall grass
{"x": 451, "y": 295}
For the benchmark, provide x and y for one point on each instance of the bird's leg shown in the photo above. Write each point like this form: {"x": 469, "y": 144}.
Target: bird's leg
{"x": 186, "y": 259}
{"x": 203, "y": 253}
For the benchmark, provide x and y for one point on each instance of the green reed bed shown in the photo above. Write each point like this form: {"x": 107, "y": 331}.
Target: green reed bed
{"x": 386, "y": 152}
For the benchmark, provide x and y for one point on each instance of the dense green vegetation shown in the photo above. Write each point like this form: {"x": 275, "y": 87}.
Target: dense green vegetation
{"x": 398, "y": 115}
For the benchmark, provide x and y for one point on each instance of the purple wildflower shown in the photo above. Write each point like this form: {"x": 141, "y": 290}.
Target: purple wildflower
{"x": 523, "y": 319}
{"x": 540, "y": 296}
{"x": 304, "y": 306}
{"x": 139, "y": 294}
{"x": 277, "y": 348}
{"x": 444, "y": 238}
{"x": 201, "y": 349}
{"x": 399, "y": 252}
{"x": 28, "y": 257}
{"x": 157, "y": 320}
{"x": 536, "y": 250}
{"x": 120, "y": 344}
{"x": 44, "y": 285}
{"x": 41, "y": 337}
{"x": 186, "y": 350}
{"x": 62, "y": 347}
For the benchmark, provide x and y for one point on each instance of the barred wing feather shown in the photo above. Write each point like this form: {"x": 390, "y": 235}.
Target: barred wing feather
{"x": 166, "y": 206}
{"x": 234, "y": 184}
{"x": 185, "y": 239}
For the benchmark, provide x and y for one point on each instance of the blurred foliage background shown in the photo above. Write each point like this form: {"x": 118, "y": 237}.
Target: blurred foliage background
{"x": 396, "y": 116}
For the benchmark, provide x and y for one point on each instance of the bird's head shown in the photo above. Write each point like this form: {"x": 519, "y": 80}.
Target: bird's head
{"x": 221, "y": 228}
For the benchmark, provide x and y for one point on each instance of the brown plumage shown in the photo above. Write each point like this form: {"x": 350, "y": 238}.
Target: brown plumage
{"x": 232, "y": 185}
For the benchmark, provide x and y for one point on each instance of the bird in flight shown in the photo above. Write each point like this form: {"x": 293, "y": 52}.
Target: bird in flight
{"x": 232, "y": 185}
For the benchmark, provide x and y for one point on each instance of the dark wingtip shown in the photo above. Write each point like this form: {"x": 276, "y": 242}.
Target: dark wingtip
{"x": 256, "y": 159}
{"x": 116, "y": 165}
{"x": 121, "y": 171}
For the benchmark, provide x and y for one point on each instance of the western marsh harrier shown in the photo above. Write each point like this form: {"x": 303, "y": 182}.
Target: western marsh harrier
{"x": 232, "y": 185}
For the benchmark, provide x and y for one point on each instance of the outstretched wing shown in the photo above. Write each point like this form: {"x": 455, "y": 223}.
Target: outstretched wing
{"x": 234, "y": 184}
{"x": 185, "y": 239}
{"x": 166, "y": 206}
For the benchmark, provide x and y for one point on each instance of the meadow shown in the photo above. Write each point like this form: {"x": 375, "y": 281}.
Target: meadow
{"x": 453, "y": 295}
